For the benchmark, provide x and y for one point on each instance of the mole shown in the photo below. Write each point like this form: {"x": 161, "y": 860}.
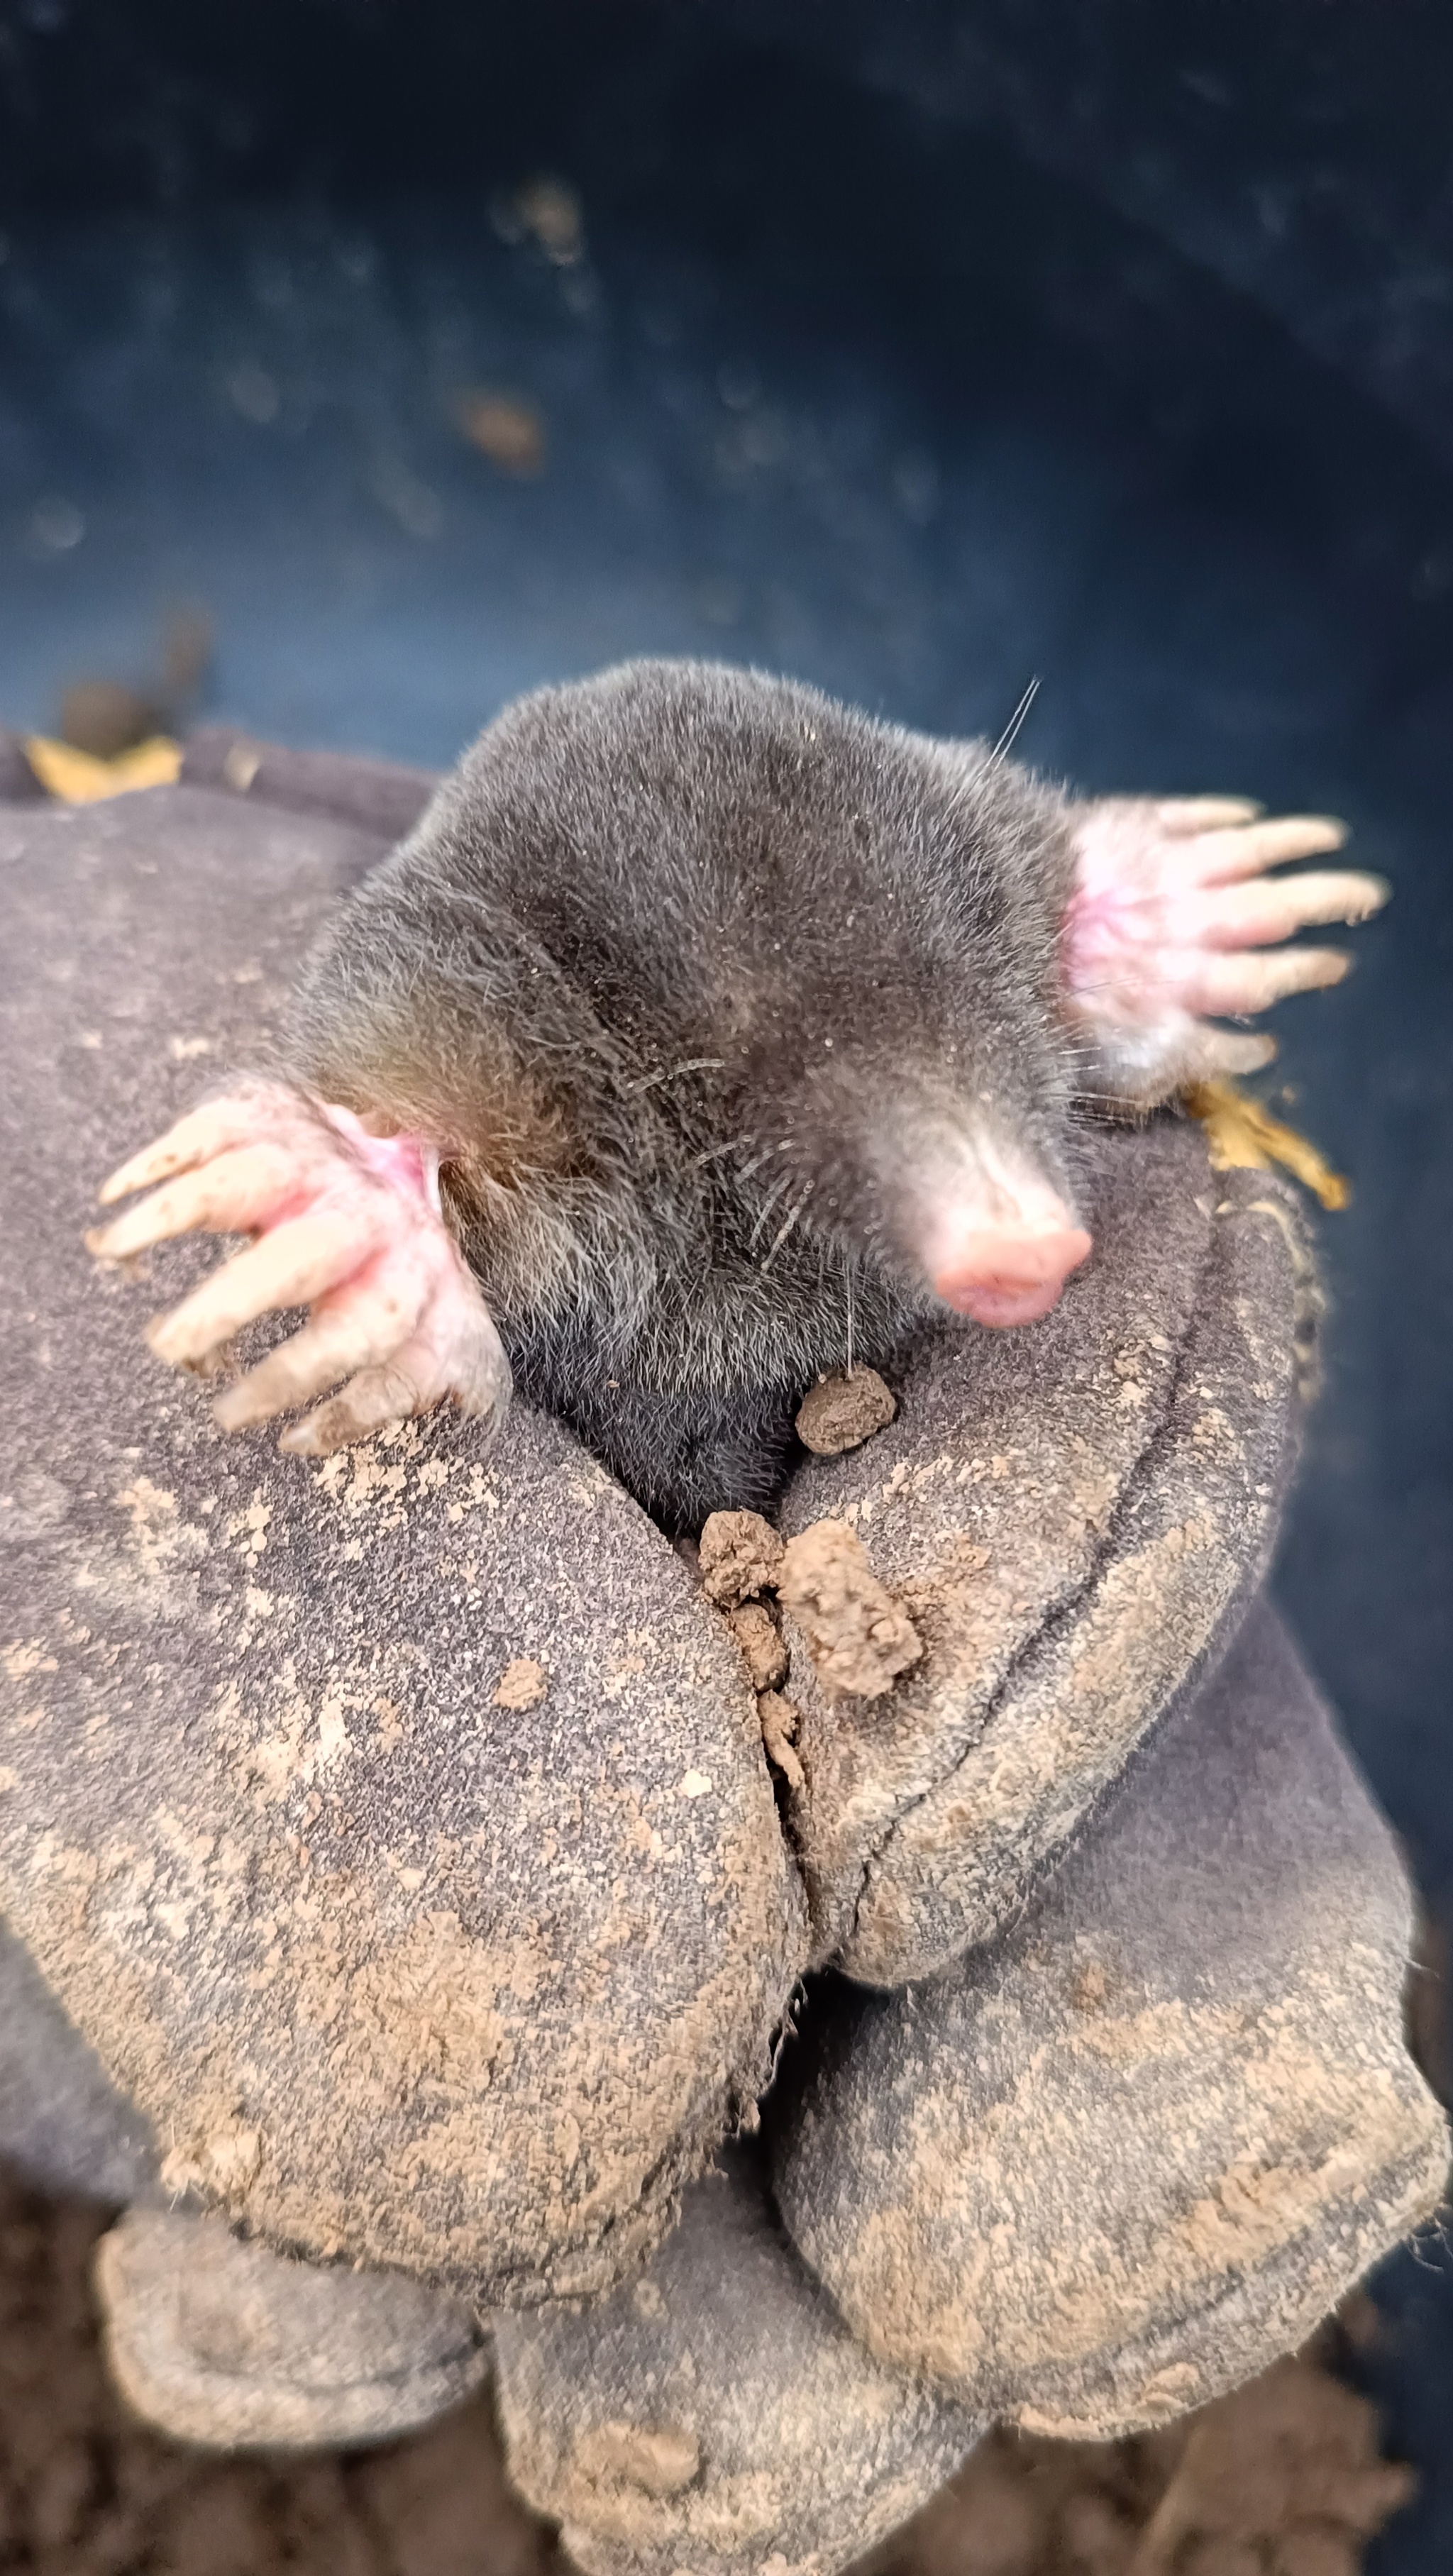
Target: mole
{"x": 703, "y": 1037}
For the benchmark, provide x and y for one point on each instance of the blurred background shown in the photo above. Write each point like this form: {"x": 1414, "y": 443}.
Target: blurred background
{"x": 362, "y": 364}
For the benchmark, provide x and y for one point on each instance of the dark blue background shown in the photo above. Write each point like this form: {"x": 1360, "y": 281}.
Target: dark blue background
{"x": 845, "y": 385}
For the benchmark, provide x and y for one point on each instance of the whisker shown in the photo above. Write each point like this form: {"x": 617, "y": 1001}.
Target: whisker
{"x": 673, "y": 1073}
{"x": 767, "y": 1206}
{"x": 793, "y": 1214}
{"x": 714, "y": 1153}
{"x": 1011, "y": 732}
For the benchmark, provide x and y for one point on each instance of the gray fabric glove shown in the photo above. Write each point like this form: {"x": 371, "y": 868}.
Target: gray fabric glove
{"x": 1121, "y": 2162}
{"x": 228, "y": 2344}
{"x": 63, "y": 2124}
{"x": 396, "y": 1829}
{"x": 716, "y": 2414}
{"x": 1075, "y": 1518}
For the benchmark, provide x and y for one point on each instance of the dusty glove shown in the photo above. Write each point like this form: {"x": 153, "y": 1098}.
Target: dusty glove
{"x": 228, "y": 2344}
{"x": 398, "y": 1835}
{"x": 1075, "y": 1519}
{"x": 716, "y": 2413}
{"x": 396, "y": 1829}
{"x": 1123, "y": 2160}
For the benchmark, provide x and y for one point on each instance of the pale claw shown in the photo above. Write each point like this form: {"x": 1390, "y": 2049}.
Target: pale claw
{"x": 453, "y": 1348}
{"x": 374, "y": 1397}
{"x": 1170, "y": 897}
{"x": 343, "y": 1222}
{"x": 239, "y": 1118}
{"x": 1264, "y": 909}
{"x": 1222, "y": 855}
{"x": 291, "y": 1266}
{"x": 237, "y": 1192}
{"x": 1232, "y": 985}
{"x": 330, "y": 1347}
{"x": 1178, "y": 815}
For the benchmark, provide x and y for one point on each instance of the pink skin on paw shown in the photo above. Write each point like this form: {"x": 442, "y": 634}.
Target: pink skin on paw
{"x": 341, "y": 1221}
{"x": 1171, "y": 910}
{"x": 407, "y": 1163}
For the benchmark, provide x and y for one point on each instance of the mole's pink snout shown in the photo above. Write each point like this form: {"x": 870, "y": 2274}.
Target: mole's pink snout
{"x": 1010, "y": 1273}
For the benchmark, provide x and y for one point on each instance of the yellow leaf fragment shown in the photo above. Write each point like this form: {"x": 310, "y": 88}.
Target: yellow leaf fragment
{"x": 1242, "y": 1136}
{"x": 80, "y": 779}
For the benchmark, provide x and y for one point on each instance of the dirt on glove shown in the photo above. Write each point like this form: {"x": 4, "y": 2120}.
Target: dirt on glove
{"x": 1284, "y": 2477}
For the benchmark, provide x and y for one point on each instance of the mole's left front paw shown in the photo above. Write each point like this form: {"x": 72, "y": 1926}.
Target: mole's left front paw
{"x": 342, "y": 1222}
{"x": 1171, "y": 914}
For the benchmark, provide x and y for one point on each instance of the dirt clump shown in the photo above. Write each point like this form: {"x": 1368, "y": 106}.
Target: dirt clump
{"x": 522, "y": 1684}
{"x": 765, "y": 1656}
{"x": 841, "y": 1412}
{"x": 741, "y": 1555}
{"x": 860, "y": 1639}
{"x": 658, "y": 2459}
{"x": 780, "y": 1719}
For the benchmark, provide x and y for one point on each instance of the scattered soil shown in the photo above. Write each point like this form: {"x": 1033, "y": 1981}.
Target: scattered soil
{"x": 780, "y": 1719}
{"x": 522, "y": 1684}
{"x": 860, "y": 1639}
{"x": 755, "y": 1631}
{"x": 842, "y": 1412}
{"x": 1283, "y": 2479}
{"x": 740, "y": 1556}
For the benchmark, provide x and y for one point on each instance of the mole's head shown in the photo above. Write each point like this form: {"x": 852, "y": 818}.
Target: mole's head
{"x": 947, "y": 1159}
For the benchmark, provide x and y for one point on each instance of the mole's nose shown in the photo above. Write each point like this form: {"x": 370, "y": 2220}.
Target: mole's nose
{"x": 1010, "y": 1274}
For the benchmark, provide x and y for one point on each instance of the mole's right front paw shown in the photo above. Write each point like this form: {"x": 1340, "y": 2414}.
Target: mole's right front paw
{"x": 1176, "y": 921}
{"x": 345, "y": 1223}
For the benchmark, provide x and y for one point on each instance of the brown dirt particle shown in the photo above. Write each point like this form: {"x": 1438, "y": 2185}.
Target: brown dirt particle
{"x": 660, "y": 2459}
{"x": 1089, "y": 1988}
{"x": 741, "y": 1554}
{"x": 860, "y": 1639}
{"x": 779, "y": 1733}
{"x": 755, "y": 1631}
{"x": 842, "y": 1412}
{"x": 522, "y": 1684}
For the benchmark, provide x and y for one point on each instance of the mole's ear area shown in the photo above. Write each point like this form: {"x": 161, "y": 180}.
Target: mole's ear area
{"x": 1171, "y": 914}
{"x": 342, "y": 1222}
{"x": 996, "y": 1239}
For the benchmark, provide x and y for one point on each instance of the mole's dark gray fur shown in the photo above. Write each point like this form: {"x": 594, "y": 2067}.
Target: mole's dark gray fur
{"x": 692, "y": 974}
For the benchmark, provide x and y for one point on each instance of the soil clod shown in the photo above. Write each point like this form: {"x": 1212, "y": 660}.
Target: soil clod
{"x": 741, "y": 1555}
{"x": 860, "y": 1639}
{"x": 842, "y": 1412}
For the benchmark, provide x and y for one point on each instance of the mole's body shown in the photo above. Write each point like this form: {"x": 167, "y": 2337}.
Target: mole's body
{"x": 713, "y": 995}
{"x": 744, "y": 1034}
